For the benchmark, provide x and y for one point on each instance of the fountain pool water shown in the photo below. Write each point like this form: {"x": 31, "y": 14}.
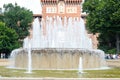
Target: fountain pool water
{"x": 59, "y": 46}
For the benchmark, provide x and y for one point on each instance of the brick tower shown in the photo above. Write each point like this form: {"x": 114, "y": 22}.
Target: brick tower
{"x": 62, "y": 8}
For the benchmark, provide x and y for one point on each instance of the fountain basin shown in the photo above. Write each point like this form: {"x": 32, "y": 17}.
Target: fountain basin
{"x": 59, "y": 59}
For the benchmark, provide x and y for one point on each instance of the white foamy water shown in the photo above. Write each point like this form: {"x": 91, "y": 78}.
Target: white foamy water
{"x": 69, "y": 33}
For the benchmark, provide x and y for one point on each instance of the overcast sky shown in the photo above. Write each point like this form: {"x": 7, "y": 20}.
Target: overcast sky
{"x": 33, "y": 5}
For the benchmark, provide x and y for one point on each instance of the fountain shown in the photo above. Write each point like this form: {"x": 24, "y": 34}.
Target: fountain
{"x": 60, "y": 48}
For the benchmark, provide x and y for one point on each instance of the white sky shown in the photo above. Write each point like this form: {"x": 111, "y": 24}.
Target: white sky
{"x": 33, "y": 5}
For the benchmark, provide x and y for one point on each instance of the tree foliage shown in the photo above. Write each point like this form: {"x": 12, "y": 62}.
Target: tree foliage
{"x": 8, "y": 39}
{"x": 1, "y": 17}
{"x": 104, "y": 18}
{"x": 18, "y": 18}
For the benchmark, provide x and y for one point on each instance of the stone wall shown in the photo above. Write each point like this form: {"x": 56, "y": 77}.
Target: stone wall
{"x": 113, "y": 63}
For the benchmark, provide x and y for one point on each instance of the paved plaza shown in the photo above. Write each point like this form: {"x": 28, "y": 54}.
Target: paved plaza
{"x": 59, "y": 78}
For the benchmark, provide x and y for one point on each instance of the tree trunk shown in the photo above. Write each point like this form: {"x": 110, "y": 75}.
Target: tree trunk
{"x": 117, "y": 43}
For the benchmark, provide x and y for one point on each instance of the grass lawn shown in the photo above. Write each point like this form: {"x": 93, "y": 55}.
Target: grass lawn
{"x": 108, "y": 73}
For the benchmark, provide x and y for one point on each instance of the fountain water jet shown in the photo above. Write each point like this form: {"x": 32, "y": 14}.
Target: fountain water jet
{"x": 80, "y": 65}
{"x": 29, "y": 69}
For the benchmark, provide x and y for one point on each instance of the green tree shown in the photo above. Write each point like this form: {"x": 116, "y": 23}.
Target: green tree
{"x": 8, "y": 39}
{"x": 104, "y": 18}
{"x": 18, "y": 18}
{"x": 1, "y": 15}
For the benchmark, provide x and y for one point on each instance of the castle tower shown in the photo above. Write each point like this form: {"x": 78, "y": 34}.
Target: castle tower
{"x": 62, "y": 8}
